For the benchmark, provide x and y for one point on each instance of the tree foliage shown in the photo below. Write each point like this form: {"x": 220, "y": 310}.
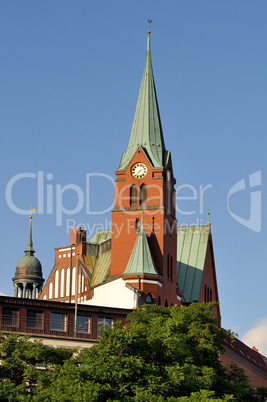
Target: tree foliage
{"x": 162, "y": 355}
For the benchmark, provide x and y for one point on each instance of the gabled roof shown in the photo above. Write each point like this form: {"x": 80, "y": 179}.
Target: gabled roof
{"x": 192, "y": 245}
{"x": 146, "y": 129}
{"x": 141, "y": 261}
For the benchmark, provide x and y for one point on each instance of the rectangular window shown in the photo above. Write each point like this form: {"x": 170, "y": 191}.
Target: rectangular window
{"x": 105, "y": 323}
{"x": 58, "y": 322}
{"x": 10, "y": 318}
{"x": 34, "y": 319}
{"x": 83, "y": 324}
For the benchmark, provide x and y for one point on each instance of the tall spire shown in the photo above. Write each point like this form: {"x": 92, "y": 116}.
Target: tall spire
{"x": 29, "y": 248}
{"x": 146, "y": 129}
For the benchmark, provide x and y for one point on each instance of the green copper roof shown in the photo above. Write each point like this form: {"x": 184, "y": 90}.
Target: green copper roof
{"x": 192, "y": 245}
{"x": 100, "y": 236}
{"x": 101, "y": 269}
{"x": 146, "y": 129}
{"x": 141, "y": 261}
{"x": 98, "y": 257}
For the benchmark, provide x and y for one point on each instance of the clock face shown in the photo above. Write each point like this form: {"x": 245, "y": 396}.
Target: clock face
{"x": 139, "y": 170}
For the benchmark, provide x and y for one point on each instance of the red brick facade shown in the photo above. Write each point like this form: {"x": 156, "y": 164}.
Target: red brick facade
{"x": 159, "y": 223}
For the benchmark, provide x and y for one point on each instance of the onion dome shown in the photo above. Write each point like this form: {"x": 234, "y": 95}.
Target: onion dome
{"x": 28, "y": 275}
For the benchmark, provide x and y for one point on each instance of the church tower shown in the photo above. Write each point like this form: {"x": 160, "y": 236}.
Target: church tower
{"x": 143, "y": 218}
{"x": 28, "y": 280}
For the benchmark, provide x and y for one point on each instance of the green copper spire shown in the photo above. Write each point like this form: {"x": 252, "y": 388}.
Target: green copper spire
{"x": 146, "y": 129}
{"x": 29, "y": 249}
{"x": 141, "y": 261}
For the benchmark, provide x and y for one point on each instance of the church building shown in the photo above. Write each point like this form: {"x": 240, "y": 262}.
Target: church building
{"x": 145, "y": 258}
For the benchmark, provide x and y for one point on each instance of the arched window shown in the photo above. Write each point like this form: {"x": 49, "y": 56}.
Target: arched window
{"x": 133, "y": 196}
{"x": 166, "y": 303}
{"x": 62, "y": 283}
{"x": 137, "y": 224}
{"x": 210, "y": 295}
{"x": 50, "y": 292}
{"x": 143, "y": 195}
{"x": 205, "y": 294}
{"x": 149, "y": 299}
{"x": 168, "y": 266}
{"x": 56, "y": 284}
{"x": 159, "y": 301}
{"x": 68, "y": 282}
{"x": 73, "y": 289}
{"x": 171, "y": 269}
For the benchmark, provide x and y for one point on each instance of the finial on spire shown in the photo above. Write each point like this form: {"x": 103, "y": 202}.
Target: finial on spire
{"x": 29, "y": 249}
{"x": 208, "y": 223}
{"x": 32, "y": 210}
{"x": 149, "y": 23}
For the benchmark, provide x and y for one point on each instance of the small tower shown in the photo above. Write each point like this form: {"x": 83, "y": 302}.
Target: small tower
{"x": 28, "y": 276}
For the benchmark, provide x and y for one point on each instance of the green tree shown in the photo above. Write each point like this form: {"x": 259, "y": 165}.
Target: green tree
{"x": 24, "y": 364}
{"x": 163, "y": 353}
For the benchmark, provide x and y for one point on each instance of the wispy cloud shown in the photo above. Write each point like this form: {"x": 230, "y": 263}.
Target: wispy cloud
{"x": 257, "y": 336}
{"x": 2, "y": 293}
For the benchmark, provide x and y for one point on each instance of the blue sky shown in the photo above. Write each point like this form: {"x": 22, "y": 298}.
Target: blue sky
{"x": 70, "y": 76}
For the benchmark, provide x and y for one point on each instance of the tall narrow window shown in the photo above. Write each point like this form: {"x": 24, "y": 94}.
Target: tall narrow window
{"x": 73, "y": 290}
{"x": 137, "y": 224}
{"x": 159, "y": 301}
{"x": 68, "y": 282}
{"x": 62, "y": 283}
{"x": 56, "y": 284}
{"x": 168, "y": 266}
{"x": 171, "y": 269}
{"x": 50, "y": 291}
{"x": 143, "y": 195}
{"x": 133, "y": 196}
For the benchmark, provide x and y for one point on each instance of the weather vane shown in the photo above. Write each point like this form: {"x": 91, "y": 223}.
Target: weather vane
{"x": 149, "y": 23}
{"x": 32, "y": 209}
